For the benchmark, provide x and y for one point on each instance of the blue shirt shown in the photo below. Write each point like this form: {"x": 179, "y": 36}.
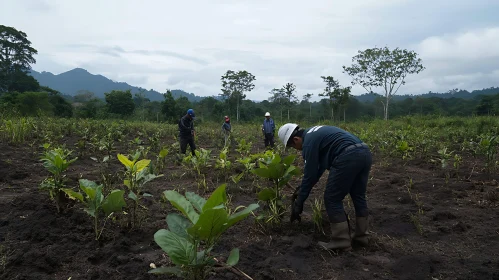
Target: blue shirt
{"x": 321, "y": 145}
{"x": 268, "y": 125}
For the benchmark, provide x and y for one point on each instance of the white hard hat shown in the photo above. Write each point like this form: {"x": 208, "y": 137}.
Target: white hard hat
{"x": 267, "y": 114}
{"x": 285, "y": 132}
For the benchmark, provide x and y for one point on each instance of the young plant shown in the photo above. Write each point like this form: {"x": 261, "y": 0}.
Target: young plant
{"x": 95, "y": 201}
{"x": 56, "y": 162}
{"x": 243, "y": 147}
{"x": 279, "y": 172}
{"x": 161, "y": 159}
{"x": 223, "y": 162}
{"x": 191, "y": 237}
{"x": 136, "y": 176}
{"x": 200, "y": 161}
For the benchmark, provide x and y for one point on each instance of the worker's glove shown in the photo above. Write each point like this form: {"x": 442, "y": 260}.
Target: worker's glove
{"x": 296, "y": 209}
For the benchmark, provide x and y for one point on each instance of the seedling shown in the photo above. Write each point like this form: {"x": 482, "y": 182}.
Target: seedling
{"x": 136, "y": 177}
{"x": 95, "y": 202}
{"x": 279, "y": 172}
{"x": 56, "y": 162}
{"x": 191, "y": 237}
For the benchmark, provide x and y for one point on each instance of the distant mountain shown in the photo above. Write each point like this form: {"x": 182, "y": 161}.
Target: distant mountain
{"x": 78, "y": 79}
{"x": 455, "y": 93}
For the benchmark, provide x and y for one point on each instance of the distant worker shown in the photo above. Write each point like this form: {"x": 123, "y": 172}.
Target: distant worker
{"x": 187, "y": 132}
{"x": 226, "y": 129}
{"x": 268, "y": 129}
{"x": 349, "y": 161}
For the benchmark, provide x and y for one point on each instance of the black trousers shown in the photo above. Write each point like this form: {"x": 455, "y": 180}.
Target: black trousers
{"x": 183, "y": 144}
{"x": 269, "y": 139}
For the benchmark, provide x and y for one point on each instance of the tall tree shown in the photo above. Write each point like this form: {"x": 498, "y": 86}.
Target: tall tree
{"x": 334, "y": 93}
{"x": 278, "y": 98}
{"x": 16, "y": 55}
{"x": 383, "y": 68}
{"x": 234, "y": 84}
{"x": 169, "y": 106}
{"x": 307, "y": 98}
{"x": 120, "y": 102}
{"x": 289, "y": 91}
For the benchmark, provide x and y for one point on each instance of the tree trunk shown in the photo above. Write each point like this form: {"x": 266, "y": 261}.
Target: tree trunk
{"x": 386, "y": 108}
{"x": 332, "y": 113}
{"x": 288, "y": 114}
{"x": 237, "y": 110}
{"x": 310, "y": 110}
{"x": 344, "y": 115}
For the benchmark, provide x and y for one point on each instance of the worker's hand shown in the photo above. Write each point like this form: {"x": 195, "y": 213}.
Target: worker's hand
{"x": 296, "y": 209}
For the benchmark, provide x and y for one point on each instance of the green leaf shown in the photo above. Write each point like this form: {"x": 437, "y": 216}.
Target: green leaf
{"x": 233, "y": 257}
{"x": 266, "y": 194}
{"x": 132, "y": 195}
{"x": 289, "y": 159}
{"x": 179, "y": 249}
{"x": 89, "y": 187}
{"x": 236, "y": 217}
{"x": 178, "y": 224}
{"x": 276, "y": 159}
{"x": 141, "y": 164}
{"x": 147, "y": 195}
{"x": 182, "y": 204}
{"x": 125, "y": 161}
{"x": 114, "y": 202}
{"x": 167, "y": 270}
{"x": 211, "y": 224}
{"x": 262, "y": 172}
{"x": 219, "y": 196}
{"x": 197, "y": 201}
{"x": 72, "y": 194}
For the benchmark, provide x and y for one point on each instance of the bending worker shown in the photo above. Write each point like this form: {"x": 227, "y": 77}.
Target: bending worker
{"x": 349, "y": 162}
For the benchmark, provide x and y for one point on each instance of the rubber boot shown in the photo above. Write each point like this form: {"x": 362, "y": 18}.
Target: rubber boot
{"x": 361, "y": 235}
{"x": 340, "y": 237}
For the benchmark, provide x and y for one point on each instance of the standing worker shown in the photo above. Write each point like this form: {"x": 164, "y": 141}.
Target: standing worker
{"x": 268, "y": 129}
{"x": 349, "y": 162}
{"x": 226, "y": 129}
{"x": 187, "y": 132}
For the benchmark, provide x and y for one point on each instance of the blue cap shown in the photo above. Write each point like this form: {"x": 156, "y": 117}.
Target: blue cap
{"x": 190, "y": 112}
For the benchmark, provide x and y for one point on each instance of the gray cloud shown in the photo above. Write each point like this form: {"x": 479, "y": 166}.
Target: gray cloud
{"x": 190, "y": 45}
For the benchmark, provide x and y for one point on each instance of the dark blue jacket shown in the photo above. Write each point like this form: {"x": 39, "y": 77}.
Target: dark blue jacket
{"x": 268, "y": 125}
{"x": 185, "y": 127}
{"x": 226, "y": 126}
{"x": 321, "y": 145}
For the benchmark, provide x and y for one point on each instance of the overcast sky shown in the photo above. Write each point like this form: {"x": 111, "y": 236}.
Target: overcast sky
{"x": 189, "y": 45}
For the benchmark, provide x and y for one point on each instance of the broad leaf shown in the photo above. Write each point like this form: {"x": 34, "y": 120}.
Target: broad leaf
{"x": 262, "y": 172}
{"x": 114, "y": 202}
{"x": 233, "y": 257}
{"x": 132, "y": 195}
{"x": 236, "y": 217}
{"x": 289, "y": 159}
{"x": 89, "y": 187}
{"x": 72, "y": 194}
{"x": 266, "y": 194}
{"x": 178, "y": 224}
{"x": 218, "y": 197}
{"x": 167, "y": 270}
{"x": 179, "y": 249}
{"x": 141, "y": 164}
{"x": 125, "y": 161}
{"x": 210, "y": 225}
{"x": 182, "y": 204}
{"x": 197, "y": 201}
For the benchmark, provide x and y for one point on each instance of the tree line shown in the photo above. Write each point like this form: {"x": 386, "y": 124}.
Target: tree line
{"x": 375, "y": 69}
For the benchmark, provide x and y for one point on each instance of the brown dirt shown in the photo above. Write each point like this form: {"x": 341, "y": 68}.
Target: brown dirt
{"x": 459, "y": 236}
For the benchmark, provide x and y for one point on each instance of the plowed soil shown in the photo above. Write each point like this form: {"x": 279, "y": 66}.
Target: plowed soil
{"x": 424, "y": 229}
